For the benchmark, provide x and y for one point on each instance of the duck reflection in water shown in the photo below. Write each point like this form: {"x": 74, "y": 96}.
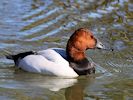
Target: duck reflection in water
{"x": 77, "y": 91}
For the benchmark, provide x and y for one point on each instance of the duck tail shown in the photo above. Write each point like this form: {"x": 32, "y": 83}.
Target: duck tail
{"x": 8, "y": 54}
{"x": 10, "y": 57}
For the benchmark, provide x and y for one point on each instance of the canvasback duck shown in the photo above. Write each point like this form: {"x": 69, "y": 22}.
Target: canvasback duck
{"x": 71, "y": 62}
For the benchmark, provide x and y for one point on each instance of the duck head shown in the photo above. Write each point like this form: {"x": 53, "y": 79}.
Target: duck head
{"x": 80, "y": 41}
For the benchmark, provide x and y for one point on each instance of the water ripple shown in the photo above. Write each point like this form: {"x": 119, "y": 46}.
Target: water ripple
{"x": 42, "y": 26}
{"x": 54, "y": 10}
{"x": 45, "y": 35}
{"x": 34, "y": 12}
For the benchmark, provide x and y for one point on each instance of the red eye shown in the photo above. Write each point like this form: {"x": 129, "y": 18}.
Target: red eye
{"x": 92, "y": 37}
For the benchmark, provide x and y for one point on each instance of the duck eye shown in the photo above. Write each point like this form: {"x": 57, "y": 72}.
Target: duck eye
{"x": 92, "y": 37}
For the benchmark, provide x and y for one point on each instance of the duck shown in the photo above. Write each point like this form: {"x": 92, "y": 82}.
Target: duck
{"x": 69, "y": 62}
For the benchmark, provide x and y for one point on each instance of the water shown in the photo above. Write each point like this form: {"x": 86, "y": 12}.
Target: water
{"x": 41, "y": 24}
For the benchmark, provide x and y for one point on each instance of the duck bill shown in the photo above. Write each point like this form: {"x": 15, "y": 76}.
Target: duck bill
{"x": 99, "y": 45}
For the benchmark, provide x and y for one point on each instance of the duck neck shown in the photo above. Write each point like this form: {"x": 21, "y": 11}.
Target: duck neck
{"x": 79, "y": 62}
{"x": 75, "y": 55}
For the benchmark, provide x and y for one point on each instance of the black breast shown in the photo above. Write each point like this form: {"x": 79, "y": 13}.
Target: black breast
{"x": 83, "y": 67}
{"x": 86, "y": 71}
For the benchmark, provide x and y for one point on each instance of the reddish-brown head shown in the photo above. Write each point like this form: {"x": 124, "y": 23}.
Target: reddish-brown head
{"x": 81, "y": 40}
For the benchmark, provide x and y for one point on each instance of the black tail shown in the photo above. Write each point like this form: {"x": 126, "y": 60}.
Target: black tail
{"x": 14, "y": 58}
{"x": 10, "y": 57}
{"x": 19, "y": 56}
